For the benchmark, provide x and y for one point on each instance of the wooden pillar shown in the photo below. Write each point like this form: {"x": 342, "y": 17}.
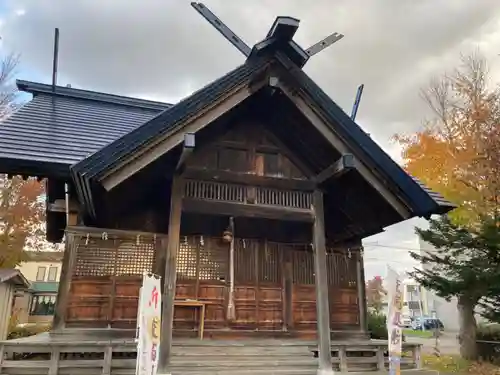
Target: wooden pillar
{"x": 320, "y": 271}
{"x": 69, "y": 256}
{"x": 230, "y": 306}
{"x": 288, "y": 290}
{"x": 363, "y": 321}
{"x": 174, "y": 227}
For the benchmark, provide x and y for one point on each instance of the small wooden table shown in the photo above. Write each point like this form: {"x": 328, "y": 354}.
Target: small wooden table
{"x": 198, "y": 305}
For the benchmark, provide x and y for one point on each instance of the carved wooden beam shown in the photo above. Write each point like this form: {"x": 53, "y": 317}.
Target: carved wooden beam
{"x": 337, "y": 169}
{"x": 201, "y": 206}
{"x": 247, "y": 179}
{"x": 59, "y": 205}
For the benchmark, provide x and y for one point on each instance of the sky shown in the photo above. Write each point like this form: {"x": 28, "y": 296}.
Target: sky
{"x": 164, "y": 50}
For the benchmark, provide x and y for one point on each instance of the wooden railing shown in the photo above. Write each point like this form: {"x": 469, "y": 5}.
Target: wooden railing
{"x": 215, "y": 191}
{"x": 285, "y": 198}
{"x": 371, "y": 356}
{"x": 227, "y": 192}
{"x": 99, "y": 356}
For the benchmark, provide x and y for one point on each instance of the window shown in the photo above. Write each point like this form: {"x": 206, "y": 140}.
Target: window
{"x": 52, "y": 274}
{"x": 43, "y": 305}
{"x": 413, "y": 289}
{"x": 40, "y": 274}
{"x": 268, "y": 164}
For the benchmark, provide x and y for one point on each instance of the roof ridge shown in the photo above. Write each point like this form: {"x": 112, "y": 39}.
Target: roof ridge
{"x": 43, "y": 88}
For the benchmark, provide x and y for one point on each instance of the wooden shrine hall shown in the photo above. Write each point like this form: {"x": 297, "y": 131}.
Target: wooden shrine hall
{"x": 250, "y": 198}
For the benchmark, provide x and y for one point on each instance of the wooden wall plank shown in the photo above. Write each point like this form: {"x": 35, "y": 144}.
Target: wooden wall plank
{"x": 274, "y": 286}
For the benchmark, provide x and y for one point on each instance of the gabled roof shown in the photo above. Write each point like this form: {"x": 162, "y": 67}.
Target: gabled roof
{"x": 60, "y": 127}
{"x": 418, "y": 199}
{"x": 90, "y": 169}
{"x": 13, "y": 276}
{"x": 109, "y": 156}
{"x": 138, "y": 125}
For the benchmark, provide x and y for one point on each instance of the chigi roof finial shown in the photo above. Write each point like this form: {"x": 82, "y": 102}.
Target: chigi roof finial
{"x": 282, "y": 30}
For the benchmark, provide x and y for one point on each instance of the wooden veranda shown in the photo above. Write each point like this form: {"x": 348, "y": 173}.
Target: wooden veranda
{"x": 80, "y": 352}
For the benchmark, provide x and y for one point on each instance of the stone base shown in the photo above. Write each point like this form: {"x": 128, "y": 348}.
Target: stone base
{"x": 403, "y": 372}
{"x": 325, "y": 372}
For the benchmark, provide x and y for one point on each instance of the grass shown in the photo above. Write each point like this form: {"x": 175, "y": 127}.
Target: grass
{"x": 417, "y": 333}
{"x": 456, "y": 365}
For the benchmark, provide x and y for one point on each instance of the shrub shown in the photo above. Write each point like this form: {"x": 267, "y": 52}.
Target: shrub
{"x": 377, "y": 326}
{"x": 26, "y": 331}
{"x": 488, "y": 332}
{"x": 14, "y": 319}
{"x": 488, "y": 345}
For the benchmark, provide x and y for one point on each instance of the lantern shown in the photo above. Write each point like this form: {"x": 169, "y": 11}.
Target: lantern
{"x": 227, "y": 236}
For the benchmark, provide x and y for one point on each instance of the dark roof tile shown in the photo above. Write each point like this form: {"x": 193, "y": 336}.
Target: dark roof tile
{"x": 110, "y": 155}
{"x": 67, "y": 126}
{"x": 13, "y": 276}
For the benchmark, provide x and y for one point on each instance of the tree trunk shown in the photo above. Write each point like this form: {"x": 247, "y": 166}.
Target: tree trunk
{"x": 468, "y": 328}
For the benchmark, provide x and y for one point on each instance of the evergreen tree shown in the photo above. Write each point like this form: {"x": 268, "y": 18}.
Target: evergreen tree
{"x": 465, "y": 265}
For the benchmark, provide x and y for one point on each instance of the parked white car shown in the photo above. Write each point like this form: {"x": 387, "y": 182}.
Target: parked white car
{"x": 406, "y": 321}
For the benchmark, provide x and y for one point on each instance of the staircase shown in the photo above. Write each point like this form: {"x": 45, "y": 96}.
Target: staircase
{"x": 256, "y": 358}
{"x": 75, "y": 354}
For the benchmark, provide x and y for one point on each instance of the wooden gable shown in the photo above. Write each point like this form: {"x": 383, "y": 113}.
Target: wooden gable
{"x": 248, "y": 148}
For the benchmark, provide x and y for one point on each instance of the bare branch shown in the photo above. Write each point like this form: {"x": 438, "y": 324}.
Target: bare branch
{"x": 8, "y": 90}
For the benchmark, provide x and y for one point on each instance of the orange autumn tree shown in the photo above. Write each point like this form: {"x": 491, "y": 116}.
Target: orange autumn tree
{"x": 21, "y": 217}
{"x": 458, "y": 151}
{"x": 375, "y": 294}
{"x": 21, "y": 201}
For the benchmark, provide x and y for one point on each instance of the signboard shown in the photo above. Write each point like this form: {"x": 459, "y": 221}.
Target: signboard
{"x": 148, "y": 325}
{"x": 394, "y": 324}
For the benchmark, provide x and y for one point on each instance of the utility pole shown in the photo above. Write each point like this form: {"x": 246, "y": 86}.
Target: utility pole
{"x": 357, "y": 100}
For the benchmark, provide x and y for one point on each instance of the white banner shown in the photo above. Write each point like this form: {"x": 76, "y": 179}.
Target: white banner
{"x": 148, "y": 325}
{"x": 394, "y": 325}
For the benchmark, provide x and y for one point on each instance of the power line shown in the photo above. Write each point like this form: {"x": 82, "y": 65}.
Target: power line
{"x": 392, "y": 261}
{"x": 392, "y": 247}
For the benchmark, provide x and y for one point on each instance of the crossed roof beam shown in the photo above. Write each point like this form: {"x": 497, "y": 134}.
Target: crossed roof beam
{"x": 283, "y": 29}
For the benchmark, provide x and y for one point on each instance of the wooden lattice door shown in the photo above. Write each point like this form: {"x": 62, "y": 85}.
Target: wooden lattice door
{"x": 258, "y": 292}
{"x": 270, "y": 311}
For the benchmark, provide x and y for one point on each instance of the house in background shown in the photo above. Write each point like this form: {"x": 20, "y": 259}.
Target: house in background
{"x": 42, "y": 269}
{"x": 415, "y": 299}
{"x": 12, "y": 283}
